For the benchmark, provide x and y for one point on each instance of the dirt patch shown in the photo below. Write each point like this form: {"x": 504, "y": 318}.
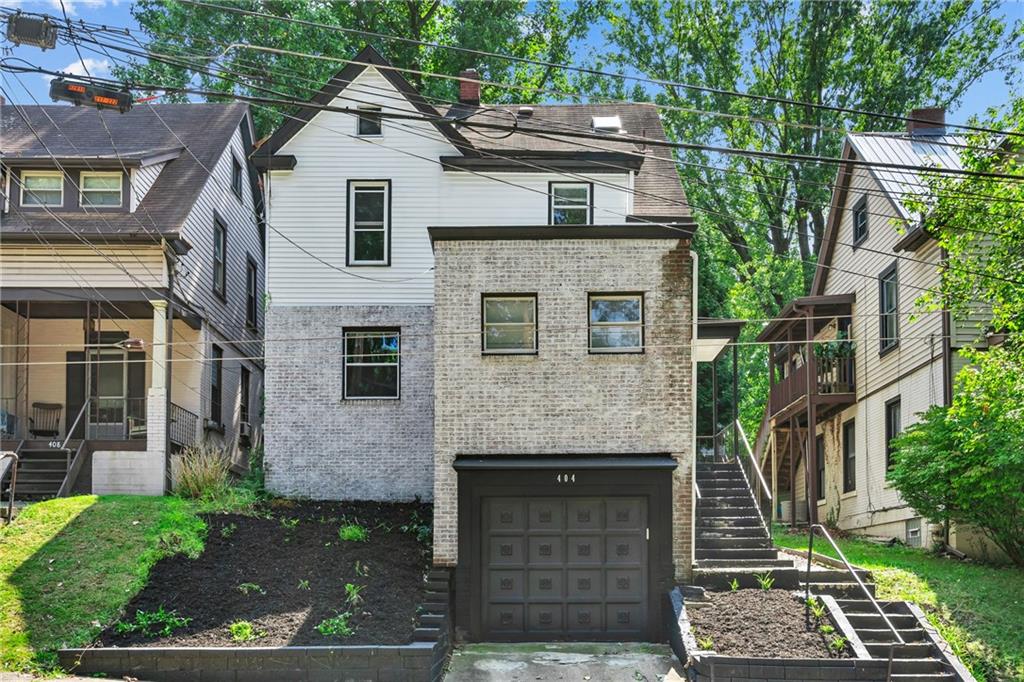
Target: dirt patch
{"x": 285, "y": 572}
{"x": 763, "y": 623}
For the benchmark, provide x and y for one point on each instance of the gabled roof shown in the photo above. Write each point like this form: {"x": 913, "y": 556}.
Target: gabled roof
{"x": 897, "y": 185}
{"x": 367, "y": 56}
{"x": 82, "y": 137}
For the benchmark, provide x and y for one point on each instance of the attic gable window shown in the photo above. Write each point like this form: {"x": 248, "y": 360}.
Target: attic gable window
{"x": 100, "y": 190}
{"x": 42, "y": 188}
{"x": 570, "y": 203}
{"x": 860, "y": 221}
{"x": 236, "y": 177}
{"x": 368, "y": 122}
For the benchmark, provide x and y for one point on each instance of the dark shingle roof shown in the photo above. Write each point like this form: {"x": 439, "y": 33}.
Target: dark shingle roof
{"x": 659, "y": 191}
{"x": 69, "y": 133}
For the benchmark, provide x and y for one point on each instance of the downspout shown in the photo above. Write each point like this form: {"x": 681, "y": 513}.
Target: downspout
{"x": 171, "y": 263}
{"x": 694, "y": 261}
{"x": 947, "y": 345}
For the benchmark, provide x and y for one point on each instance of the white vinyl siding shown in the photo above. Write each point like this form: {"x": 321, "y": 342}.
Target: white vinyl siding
{"x": 141, "y": 180}
{"x": 309, "y": 204}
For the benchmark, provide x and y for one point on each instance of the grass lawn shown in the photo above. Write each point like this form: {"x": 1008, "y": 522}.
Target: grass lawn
{"x": 979, "y": 609}
{"x": 69, "y": 565}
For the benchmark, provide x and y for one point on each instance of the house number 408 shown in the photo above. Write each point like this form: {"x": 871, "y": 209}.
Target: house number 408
{"x": 566, "y": 478}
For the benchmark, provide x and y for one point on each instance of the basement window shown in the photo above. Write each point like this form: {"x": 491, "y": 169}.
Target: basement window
{"x": 372, "y": 364}
{"x": 509, "y": 324}
{"x": 913, "y": 532}
{"x": 616, "y": 323}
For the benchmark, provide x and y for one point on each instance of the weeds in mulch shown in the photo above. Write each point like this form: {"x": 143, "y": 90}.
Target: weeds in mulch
{"x": 338, "y": 626}
{"x": 244, "y": 631}
{"x": 250, "y": 588}
{"x": 304, "y": 585}
{"x": 228, "y": 530}
{"x": 159, "y": 623}
{"x": 352, "y": 594}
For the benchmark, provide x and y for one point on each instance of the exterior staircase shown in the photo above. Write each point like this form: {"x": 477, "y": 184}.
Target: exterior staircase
{"x": 732, "y": 541}
{"x": 41, "y": 472}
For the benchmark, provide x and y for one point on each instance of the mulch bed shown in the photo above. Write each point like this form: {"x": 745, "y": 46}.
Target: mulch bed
{"x": 294, "y": 556}
{"x": 762, "y": 623}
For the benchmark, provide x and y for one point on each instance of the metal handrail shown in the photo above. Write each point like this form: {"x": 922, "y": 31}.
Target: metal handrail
{"x": 842, "y": 557}
{"x": 750, "y": 454}
{"x": 696, "y": 488}
{"x": 71, "y": 430}
{"x": 14, "y": 482}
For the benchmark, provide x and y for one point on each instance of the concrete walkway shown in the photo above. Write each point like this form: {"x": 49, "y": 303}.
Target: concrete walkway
{"x": 572, "y": 662}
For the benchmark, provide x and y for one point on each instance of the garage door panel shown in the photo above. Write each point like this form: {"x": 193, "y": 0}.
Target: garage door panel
{"x": 507, "y": 515}
{"x": 625, "y": 618}
{"x": 624, "y": 514}
{"x": 545, "y": 618}
{"x": 506, "y": 550}
{"x": 584, "y": 618}
{"x": 506, "y": 618}
{"x": 546, "y": 585}
{"x": 546, "y": 515}
{"x": 585, "y": 514}
{"x": 623, "y": 549}
{"x": 507, "y": 586}
{"x": 584, "y": 584}
{"x": 585, "y": 549}
{"x": 624, "y": 584}
{"x": 546, "y": 549}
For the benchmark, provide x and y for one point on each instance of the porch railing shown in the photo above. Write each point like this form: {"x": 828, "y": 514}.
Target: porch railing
{"x": 788, "y": 389}
{"x": 117, "y": 418}
{"x": 833, "y": 375}
{"x": 183, "y": 426}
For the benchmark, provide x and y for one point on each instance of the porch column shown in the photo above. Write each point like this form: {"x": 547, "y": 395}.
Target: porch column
{"x": 156, "y": 397}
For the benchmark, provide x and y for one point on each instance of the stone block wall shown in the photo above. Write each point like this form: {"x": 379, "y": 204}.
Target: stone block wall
{"x": 321, "y": 446}
{"x": 563, "y": 400}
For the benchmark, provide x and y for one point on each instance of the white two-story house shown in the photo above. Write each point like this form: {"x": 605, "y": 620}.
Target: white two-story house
{"x": 499, "y": 323}
{"x": 131, "y": 271}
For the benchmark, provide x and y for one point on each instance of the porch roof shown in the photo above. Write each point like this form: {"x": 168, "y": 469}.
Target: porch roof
{"x": 790, "y": 319}
{"x": 713, "y": 336}
{"x": 71, "y": 303}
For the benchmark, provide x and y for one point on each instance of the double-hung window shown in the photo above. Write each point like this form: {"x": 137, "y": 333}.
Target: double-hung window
{"x": 216, "y": 384}
{"x": 888, "y": 309}
{"x": 369, "y": 222}
{"x": 570, "y": 203}
{"x": 616, "y": 323}
{"x": 509, "y": 324}
{"x": 42, "y": 188}
{"x": 236, "y": 177}
{"x": 860, "y": 221}
{"x": 220, "y": 249}
{"x": 100, "y": 190}
{"x": 849, "y": 456}
{"x": 819, "y": 450}
{"x": 251, "y": 294}
{"x": 368, "y": 122}
{"x": 243, "y": 394}
{"x": 893, "y": 426}
{"x": 372, "y": 363}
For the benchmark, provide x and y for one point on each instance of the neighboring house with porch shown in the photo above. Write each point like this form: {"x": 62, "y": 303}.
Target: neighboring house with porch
{"x": 857, "y": 358}
{"x": 131, "y": 269}
{"x": 501, "y": 326}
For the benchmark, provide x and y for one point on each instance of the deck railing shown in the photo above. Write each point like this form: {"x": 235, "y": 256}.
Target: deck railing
{"x": 183, "y": 426}
{"x": 834, "y": 375}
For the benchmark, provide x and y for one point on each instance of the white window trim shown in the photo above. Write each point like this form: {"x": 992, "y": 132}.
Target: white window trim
{"x": 385, "y": 187}
{"x": 485, "y": 324}
{"x": 587, "y": 207}
{"x": 100, "y": 174}
{"x": 40, "y": 174}
{"x": 380, "y": 120}
{"x": 591, "y": 324}
{"x": 346, "y": 364}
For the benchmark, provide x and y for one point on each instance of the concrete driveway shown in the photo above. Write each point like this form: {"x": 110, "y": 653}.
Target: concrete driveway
{"x": 572, "y": 662}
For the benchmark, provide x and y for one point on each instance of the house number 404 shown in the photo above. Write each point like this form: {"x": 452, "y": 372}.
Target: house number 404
{"x": 566, "y": 478}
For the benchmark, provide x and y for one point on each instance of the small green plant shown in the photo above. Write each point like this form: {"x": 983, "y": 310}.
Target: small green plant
{"x": 288, "y": 524}
{"x": 706, "y": 643}
{"x": 228, "y": 530}
{"x": 353, "y": 532}
{"x": 249, "y": 588}
{"x": 826, "y": 629}
{"x": 734, "y": 584}
{"x": 362, "y": 570}
{"x": 338, "y": 626}
{"x": 765, "y": 580}
{"x": 837, "y": 643}
{"x": 303, "y": 584}
{"x": 818, "y": 609}
{"x": 159, "y": 623}
{"x": 353, "y": 594}
{"x": 420, "y": 527}
{"x": 244, "y": 631}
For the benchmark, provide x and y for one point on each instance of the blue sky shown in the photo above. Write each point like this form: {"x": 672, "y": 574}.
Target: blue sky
{"x": 990, "y": 91}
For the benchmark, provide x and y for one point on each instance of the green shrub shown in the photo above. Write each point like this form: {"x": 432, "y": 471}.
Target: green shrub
{"x": 244, "y": 631}
{"x": 203, "y": 472}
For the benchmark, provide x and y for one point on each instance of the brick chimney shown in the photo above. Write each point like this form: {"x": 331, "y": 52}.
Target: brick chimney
{"x": 469, "y": 87}
{"x": 928, "y": 121}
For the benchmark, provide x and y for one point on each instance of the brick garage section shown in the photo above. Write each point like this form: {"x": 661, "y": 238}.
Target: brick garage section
{"x": 319, "y": 445}
{"x": 414, "y": 662}
{"x": 563, "y": 400}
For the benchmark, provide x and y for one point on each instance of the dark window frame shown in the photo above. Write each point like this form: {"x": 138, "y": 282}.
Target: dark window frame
{"x": 244, "y": 394}
{"x": 888, "y": 343}
{"x": 396, "y": 331}
{"x": 551, "y": 201}
{"x": 860, "y": 209}
{"x": 217, "y": 384}
{"x": 237, "y": 176}
{"x": 220, "y": 282}
{"x": 350, "y": 185}
{"x": 850, "y": 456}
{"x": 251, "y": 292}
{"x": 369, "y": 114}
{"x": 819, "y": 450}
{"x": 643, "y": 323}
{"x": 483, "y": 322}
{"x": 892, "y": 430}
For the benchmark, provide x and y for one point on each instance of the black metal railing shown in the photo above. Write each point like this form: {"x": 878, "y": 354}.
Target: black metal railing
{"x": 716, "y": 448}
{"x": 759, "y": 488}
{"x": 183, "y": 426}
{"x": 9, "y": 459}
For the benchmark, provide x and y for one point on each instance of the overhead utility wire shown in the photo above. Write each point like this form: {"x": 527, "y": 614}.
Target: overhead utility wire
{"x": 591, "y": 72}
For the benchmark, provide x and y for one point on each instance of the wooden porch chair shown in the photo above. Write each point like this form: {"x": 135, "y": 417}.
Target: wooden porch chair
{"x": 45, "y": 420}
